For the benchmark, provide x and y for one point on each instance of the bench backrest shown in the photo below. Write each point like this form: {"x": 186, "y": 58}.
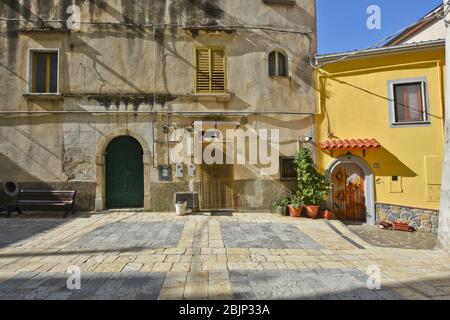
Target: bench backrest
{"x": 48, "y": 195}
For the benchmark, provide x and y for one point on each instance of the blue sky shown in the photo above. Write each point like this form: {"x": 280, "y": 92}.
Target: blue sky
{"x": 342, "y": 24}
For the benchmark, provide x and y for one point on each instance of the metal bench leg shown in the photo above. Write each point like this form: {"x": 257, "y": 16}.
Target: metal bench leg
{"x": 66, "y": 214}
{"x": 11, "y": 209}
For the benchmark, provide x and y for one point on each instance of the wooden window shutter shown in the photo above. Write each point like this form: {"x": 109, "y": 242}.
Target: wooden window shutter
{"x": 217, "y": 71}
{"x": 203, "y": 71}
{"x": 210, "y": 70}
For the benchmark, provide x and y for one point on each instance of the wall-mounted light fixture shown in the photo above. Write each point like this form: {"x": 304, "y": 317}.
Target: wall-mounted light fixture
{"x": 349, "y": 155}
{"x": 305, "y": 139}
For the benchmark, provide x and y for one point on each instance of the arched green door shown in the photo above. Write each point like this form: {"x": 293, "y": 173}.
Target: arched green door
{"x": 124, "y": 174}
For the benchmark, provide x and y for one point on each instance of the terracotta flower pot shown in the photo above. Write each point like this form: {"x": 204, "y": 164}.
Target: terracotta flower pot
{"x": 312, "y": 211}
{"x": 328, "y": 214}
{"x": 294, "y": 212}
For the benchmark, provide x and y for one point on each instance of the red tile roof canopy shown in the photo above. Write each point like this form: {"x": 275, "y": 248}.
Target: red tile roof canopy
{"x": 349, "y": 144}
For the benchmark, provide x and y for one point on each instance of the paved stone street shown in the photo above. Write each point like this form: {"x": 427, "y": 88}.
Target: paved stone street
{"x": 395, "y": 239}
{"x": 245, "y": 256}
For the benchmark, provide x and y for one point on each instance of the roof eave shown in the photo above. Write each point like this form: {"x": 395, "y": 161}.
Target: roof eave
{"x": 382, "y": 50}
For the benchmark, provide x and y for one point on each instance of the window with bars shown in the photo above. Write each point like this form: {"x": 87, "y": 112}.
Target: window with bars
{"x": 44, "y": 72}
{"x": 210, "y": 66}
{"x": 409, "y": 102}
{"x": 277, "y": 64}
{"x": 287, "y": 168}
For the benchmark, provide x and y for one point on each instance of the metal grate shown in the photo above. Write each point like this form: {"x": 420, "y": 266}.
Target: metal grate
{"x": 216, "y": 187}
{"x": 288, "y": 170}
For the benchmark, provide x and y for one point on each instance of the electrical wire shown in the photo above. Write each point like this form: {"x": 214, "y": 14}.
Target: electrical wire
{"x": 164, "y": 25}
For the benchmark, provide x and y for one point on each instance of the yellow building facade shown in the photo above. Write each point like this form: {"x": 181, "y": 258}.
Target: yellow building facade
{"x": 380, "y": 133}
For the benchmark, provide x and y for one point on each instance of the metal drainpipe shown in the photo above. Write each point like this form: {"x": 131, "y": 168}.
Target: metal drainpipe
{"x": 153, "y": 140}
{"x": 167, "y": 140}
{"x": 154, "y": 91}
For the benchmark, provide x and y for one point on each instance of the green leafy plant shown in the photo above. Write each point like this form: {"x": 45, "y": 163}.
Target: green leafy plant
{"x": 296, "y": 201}
{"x": 283, "y": 202}
{"x": 313, "y": 186}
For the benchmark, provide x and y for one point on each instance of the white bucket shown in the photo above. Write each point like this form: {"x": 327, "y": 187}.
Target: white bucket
{"x": 181, "y": 208}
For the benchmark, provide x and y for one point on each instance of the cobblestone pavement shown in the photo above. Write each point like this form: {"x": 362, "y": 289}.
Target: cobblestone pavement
{"x": 244, "y": 256}
{"x": 395, "y": 239}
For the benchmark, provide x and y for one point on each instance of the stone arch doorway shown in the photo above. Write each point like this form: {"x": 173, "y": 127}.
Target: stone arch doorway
{"x": 353, "y": 195}
{"x": 139, "y": 143}
{"x": 124, "y": 173}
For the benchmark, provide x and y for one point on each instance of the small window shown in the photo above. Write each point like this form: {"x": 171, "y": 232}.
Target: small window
{"x": 44, "y": 72}
{"x": 210, "y": 70}
{"x": 410, "y": 102}
{"x": 287, "y": 168}
{"x": 277, "y": 64}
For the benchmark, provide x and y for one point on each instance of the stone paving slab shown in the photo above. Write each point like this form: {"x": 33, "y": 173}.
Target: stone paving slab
{"x": 163, "y": 256}
{"x": 317, "y": 284}
{"x": 335, "y": 284}
{"x": 265, "y": 235}
{"x": 119, "y": 235}
{"x": 395, "y": 239}
{"x": 16, "y": 231}
{"x": 103, "y": 286}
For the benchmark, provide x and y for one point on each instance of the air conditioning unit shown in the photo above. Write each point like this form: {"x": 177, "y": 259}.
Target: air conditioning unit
{"x": 191, "y": 198}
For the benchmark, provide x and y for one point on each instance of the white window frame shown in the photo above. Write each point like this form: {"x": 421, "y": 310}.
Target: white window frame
{"x": 425, "y": 102}
{"x": 30, "y": 71}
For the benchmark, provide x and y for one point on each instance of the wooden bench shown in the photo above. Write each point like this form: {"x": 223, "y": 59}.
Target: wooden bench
{"x": 47, "y": 198}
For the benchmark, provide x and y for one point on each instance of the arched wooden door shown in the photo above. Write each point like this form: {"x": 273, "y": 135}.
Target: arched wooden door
{"x": 349, "y": 202}
{"x": 124, "y": 173}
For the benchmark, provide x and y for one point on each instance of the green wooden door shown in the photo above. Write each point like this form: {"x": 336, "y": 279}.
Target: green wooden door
{"x": 124, "y": 174}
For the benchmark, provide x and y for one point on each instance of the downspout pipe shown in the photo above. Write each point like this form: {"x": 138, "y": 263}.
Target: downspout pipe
{"x": 444, "y": 213}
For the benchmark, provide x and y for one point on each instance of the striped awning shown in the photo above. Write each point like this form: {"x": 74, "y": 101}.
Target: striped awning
{"x": 349, "y": 144}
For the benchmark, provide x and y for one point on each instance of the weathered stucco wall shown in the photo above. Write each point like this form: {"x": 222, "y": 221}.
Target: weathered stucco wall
{"x": 115, "y": 62}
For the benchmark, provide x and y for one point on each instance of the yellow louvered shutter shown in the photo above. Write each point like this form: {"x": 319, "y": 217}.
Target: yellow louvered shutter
{"x": 210, "y": 70}
{"x": 203, "y": 71}
{"x": 217, "y": 71}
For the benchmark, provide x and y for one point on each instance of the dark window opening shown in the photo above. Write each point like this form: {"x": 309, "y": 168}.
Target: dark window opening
{"x": 44, "y": 72}
{"x": 287, "y": 168}
{"x": 277, "y": 64}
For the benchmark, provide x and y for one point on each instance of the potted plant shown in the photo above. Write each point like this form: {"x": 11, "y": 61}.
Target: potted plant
{"x": 313, "y": 186}
{"x": 281, "y": 206}
{"x": 296, "y": 206}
